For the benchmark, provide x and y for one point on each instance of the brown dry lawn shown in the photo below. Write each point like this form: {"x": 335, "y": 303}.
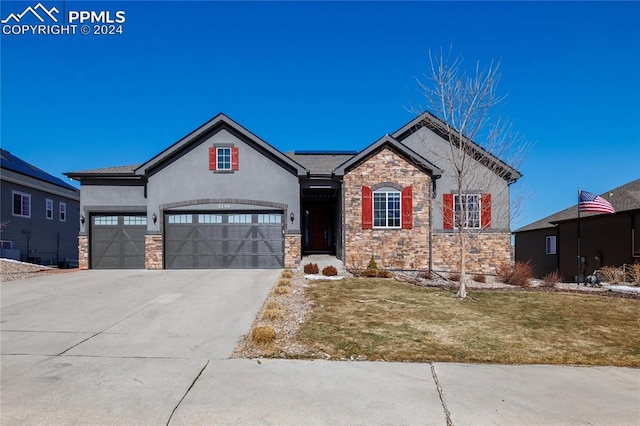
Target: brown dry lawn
{"x": 379, "y": 319}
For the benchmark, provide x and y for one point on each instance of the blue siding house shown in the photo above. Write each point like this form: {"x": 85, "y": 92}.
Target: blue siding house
{"x": 39, "y": 214}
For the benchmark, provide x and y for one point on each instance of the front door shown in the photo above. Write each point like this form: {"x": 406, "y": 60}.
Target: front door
{"x": 319, "y": 228}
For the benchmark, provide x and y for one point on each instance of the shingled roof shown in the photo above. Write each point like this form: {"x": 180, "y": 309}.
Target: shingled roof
{"x": 623, "y": 198}
{"x": 321, "y": 162}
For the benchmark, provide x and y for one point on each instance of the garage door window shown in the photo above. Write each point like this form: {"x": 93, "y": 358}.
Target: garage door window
{"x": 135, "y": 220}
{"x": 239, "y": 218}
{"x": 180, "y": 218}
{"x": 269, "y": 218}
{"x": 105, "y": 220}
{"x": 209, "y": 218}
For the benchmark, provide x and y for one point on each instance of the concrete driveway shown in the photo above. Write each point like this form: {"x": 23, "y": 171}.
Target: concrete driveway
{"x": 152, "y": 347}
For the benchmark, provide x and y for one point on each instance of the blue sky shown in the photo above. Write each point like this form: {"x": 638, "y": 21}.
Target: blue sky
{"x": 326, "y": 76}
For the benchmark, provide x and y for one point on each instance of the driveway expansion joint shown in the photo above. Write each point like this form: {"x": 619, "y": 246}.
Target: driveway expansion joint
{"x": 187, "y": 392}
{"x": 447, "y": 413}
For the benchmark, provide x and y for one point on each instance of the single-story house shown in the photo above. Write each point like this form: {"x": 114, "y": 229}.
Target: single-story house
{"x": 39, "y": 214}
{"x": 221, "y": 197}
{"x": 551, "y": 243}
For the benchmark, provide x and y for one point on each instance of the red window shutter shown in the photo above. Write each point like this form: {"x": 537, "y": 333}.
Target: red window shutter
{"x": 407, "y": 207}
{"x": 485, "y": 213}
{"x": 234, "y": 158}
{"x": 367, "y": 208}
{"x": 447, "y": 211}
{"x": 212, "y": 158}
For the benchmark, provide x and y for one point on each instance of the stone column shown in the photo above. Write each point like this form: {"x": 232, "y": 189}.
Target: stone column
{"x": 83, "y": 252}
{"x": 153, "y": 251}
{"x": 292, "y": 250}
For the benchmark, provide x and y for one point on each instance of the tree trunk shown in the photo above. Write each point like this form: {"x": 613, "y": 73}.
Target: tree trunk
{"x": 462, "y": 290}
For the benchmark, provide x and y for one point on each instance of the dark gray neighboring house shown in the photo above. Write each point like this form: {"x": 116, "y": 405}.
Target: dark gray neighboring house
{"x": 39, "y": 213}
{"x": 550, "y": 243}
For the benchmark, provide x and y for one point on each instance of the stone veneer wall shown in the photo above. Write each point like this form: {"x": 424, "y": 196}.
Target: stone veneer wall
{"x": 292, "y": 250}
{"x": 485, "y": 253}
{"x": 153, "y": 251}
{"x": 83, "y": 252}
{"x": 392, "y": 248}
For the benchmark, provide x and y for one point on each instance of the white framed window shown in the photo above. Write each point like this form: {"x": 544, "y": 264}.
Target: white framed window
{"x": 21, "y": 204}
{"x": 180, "y": 218}
{"x": 550, "y": 244}
{"x": 63, "y": 212}
{"x": 223, "y": 158}
{"x": 49, "y": 209}
{"x": 386, "y": 209}
{"x": 470, "y": 205}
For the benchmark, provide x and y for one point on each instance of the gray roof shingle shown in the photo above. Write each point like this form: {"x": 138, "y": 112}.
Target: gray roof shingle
{"x": 622, "y": 198}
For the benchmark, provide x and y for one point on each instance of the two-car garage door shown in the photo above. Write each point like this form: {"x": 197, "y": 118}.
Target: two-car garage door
{"x": 191, "y": 240}
{"x": 224, "y": 240}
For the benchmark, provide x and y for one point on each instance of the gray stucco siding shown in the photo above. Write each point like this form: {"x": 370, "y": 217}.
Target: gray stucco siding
{"x": 431, "y": 146}
{"x": 187, "y": 183}
{"x": 51, "y": 240}
{"x": 114, "y": 199}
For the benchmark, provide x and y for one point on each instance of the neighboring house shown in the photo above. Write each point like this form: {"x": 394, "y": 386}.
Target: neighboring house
{"x": 221, "y": 197}
{"x": 551, "y": 243}
{"x": 40, "y": 214}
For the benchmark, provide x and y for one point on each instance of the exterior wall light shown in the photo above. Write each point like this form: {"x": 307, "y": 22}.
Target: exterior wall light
{"x": 292, "y": 217}
{"x": 154, "y": 217}
{"x": 82, "y": 219}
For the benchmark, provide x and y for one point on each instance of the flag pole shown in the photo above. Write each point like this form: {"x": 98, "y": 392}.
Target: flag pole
{"x": 579, "y": 259}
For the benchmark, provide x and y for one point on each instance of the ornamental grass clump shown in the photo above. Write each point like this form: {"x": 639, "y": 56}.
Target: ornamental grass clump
{"x": 479, "y": 278}
{"x": 551, "y": 279}
{"x": 263, "y": 334}
{"x": 272, "y": 314}
{"x": 272, "y": 304}
{"x": 284, "y": 282}
{"x": 287, "y": 273}
{"x": 329, "y": 271}
{"x": 517, "y": 273}
{"x": 281, "y": 290}
{"x": 611, "y": 274}
{"x": 311, "y": 268}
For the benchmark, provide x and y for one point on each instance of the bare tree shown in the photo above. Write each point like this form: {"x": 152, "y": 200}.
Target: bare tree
{"x": 478, "y": 140}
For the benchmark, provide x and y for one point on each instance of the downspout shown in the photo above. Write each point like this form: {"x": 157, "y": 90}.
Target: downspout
{"x": 432, "y": 194}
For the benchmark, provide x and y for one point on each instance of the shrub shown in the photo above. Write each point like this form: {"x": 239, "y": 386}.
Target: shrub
{"x": 272, "y": 314}
{"x": 272, "y": 304}
{"x": 479, "y": 278}
{"x": 633, "y": 272}
{"x": 281, "y": 289}
{"x": 355, "y": 265}
{"x": 369, "y": 273}
{"x": 454, "y": 277}
{"x": 518, "y": 273}
{"x": 372, "y": 264}
{"x": 263, "y": 334}
{"x": 287, "y": 273}
{"x": 311, "y": 268}
{"x": 382, "y": 273}
{"x": 551, "y": 278}
{"x": 611, "y": 274}
{"x": 329, "y": 271}
{"x": 284, "y": 282}
{"x": 425, "y": 275}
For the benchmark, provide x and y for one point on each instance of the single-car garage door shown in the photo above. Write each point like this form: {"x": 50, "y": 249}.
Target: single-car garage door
{"x": 224, "y": 240}
{"x": 117, "y": 241}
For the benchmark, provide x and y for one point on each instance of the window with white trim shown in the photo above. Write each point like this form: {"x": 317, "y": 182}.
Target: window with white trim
{"x": 223, "y": 158}
{"x": 63, "y": 212}
{"x": 49, "y": 209}
{"x": 386, "y": 209}
{"x": 21, "y": 204}
{"x": 209, "y": 218}
{"x": 470, "y": 205}
{"x": 105, "y": 220}
{"x": 240, "y": 218}
{"x": 134, "y": 220}
{"x": 550, "y": 244}
{"x": 269, "y": 218}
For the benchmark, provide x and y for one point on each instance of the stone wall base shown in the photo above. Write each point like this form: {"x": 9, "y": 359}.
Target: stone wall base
{"x": 153, "y": 251}
{"x": 83, "y": 252}
{"x": 484, "y": 253}
{"x": 292, "y": 250}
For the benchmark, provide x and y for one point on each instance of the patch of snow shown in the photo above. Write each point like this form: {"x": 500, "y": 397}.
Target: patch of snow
{"x": 622, "y": 288}
{"x": 323, "y": 277}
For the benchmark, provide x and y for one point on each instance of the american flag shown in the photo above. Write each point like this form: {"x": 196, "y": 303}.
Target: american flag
{"x": 589, "y": 202}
